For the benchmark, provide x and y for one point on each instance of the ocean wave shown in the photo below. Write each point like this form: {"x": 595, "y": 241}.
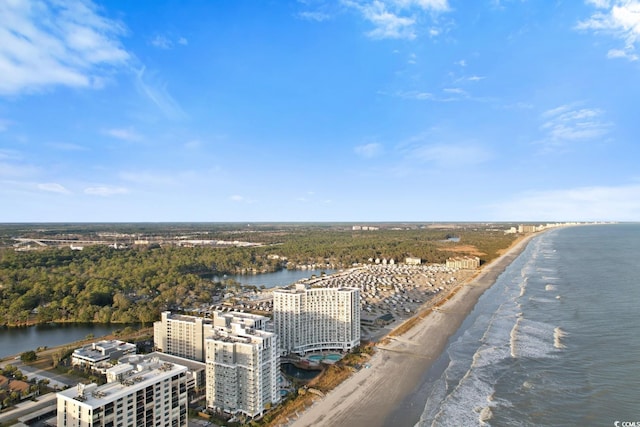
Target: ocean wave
{"x": 513, "y": 335}
{"x": 541, "y": 300}
{"x": 558, "y": 334}
{"x": 485, "y": 415}
{"x": 531, "y": 339}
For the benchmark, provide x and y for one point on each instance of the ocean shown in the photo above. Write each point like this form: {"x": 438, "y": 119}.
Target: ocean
{"x": 554, "y": 342}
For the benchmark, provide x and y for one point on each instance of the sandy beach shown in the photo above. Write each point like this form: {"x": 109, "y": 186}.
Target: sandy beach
{"x": 374, "y": 396}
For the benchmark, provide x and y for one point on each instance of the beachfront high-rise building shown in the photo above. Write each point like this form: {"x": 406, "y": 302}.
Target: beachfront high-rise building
{"x": 147, "y": 393}
{"x": 310, "y": 319}
{"x": 184, "y": 336}
{"x": 242, "y": 369}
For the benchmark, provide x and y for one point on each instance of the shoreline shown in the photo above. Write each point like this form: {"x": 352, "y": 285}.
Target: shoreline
{"x": 384, "y": 394}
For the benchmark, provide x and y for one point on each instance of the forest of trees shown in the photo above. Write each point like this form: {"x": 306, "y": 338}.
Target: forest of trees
{"x": 102, "y": 284}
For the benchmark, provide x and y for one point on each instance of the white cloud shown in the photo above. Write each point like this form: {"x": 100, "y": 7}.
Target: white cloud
{"x": 314, "y": 16}
{"x": 448, "y": 95}
{"x": 148, "y": 85}
{"x": 53, "y": 187}
{"x": 450, "y": 155}
{"x": 161, "y": 42}
{"x": 618, "y": 18}
{"x": 166, "y": 42}
{"x": 475, "y": 78}
{"x": 620, "y": 53}
{"x": 126, "y": 134}
{"x": 455, "y": 90}
{"x": 412, "y": 94}
{"x": 567, "y": 124}
{"x": 56, "y": 42}
{"x": 105, "y": 190}
{"x": 397, "y": 19}
{"x": 597, "y": 203}
{"x": 368, "y": 150}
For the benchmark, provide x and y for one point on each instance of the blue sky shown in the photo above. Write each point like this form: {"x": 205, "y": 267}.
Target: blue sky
{"x": 311, "y": 110}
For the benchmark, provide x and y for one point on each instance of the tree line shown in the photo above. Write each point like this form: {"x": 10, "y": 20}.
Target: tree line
{"x": 102, "y": 284}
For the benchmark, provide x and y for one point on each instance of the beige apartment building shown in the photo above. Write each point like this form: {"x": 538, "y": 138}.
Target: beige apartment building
{"x": 184, "y": 336}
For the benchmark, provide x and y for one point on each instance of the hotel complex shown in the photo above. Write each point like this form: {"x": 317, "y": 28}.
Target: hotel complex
{"x": 230, "y": 355}
{"x": 310, "y": 319}
{"x": 147, "y": 393}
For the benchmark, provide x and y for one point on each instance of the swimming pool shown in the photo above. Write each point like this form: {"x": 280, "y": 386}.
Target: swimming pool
{"x": 332, "y": 357}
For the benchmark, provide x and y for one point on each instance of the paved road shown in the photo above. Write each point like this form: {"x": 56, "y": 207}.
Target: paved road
{"x": 55, "y": 380}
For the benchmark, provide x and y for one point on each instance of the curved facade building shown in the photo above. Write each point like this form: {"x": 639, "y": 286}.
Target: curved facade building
{"x": 314, "y": 319}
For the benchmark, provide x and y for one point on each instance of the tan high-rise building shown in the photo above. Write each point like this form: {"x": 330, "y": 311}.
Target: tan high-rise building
{"x": 311, "y": 319}
{"x": 181, "y": 335}
{"x": 184, "y": 336}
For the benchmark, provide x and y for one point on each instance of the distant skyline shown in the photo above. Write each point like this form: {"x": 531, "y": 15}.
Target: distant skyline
{"x": 312, "y": 110}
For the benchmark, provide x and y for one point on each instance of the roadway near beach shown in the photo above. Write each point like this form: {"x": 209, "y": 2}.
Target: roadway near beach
{"x": 371, "y": 396}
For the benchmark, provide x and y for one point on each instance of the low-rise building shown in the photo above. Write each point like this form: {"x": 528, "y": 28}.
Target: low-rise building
{"x": 102, "y": 351}
{"x": 465, "y": 262}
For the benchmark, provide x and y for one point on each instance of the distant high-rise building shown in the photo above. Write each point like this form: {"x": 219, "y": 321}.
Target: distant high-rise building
{"x": 145, "y": 394}
{"x": 310, "y": 319}
{"x": 242, "y": 369}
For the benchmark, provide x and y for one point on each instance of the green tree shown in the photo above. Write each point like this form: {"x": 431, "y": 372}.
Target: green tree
{"x": 28, "y": 356}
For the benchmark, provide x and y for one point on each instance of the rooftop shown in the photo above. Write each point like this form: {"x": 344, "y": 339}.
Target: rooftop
{"x": 145, "y": 373}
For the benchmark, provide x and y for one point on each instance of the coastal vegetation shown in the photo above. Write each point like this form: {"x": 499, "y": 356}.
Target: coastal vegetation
{"x": 134, "y": 283}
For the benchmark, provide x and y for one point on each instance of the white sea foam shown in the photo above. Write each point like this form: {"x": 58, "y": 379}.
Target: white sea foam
{"x": 485, "y": 415}
{"x": 550, "y": 287}
{"x": 558, "y": 334}
{"x": 513, "y": 335}
{"x": 523, "y": 287}
{"x": 531, "y": 339}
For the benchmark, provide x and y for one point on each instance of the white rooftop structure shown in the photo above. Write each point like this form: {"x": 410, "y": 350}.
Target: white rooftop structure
{"x": 150, "y": 392}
